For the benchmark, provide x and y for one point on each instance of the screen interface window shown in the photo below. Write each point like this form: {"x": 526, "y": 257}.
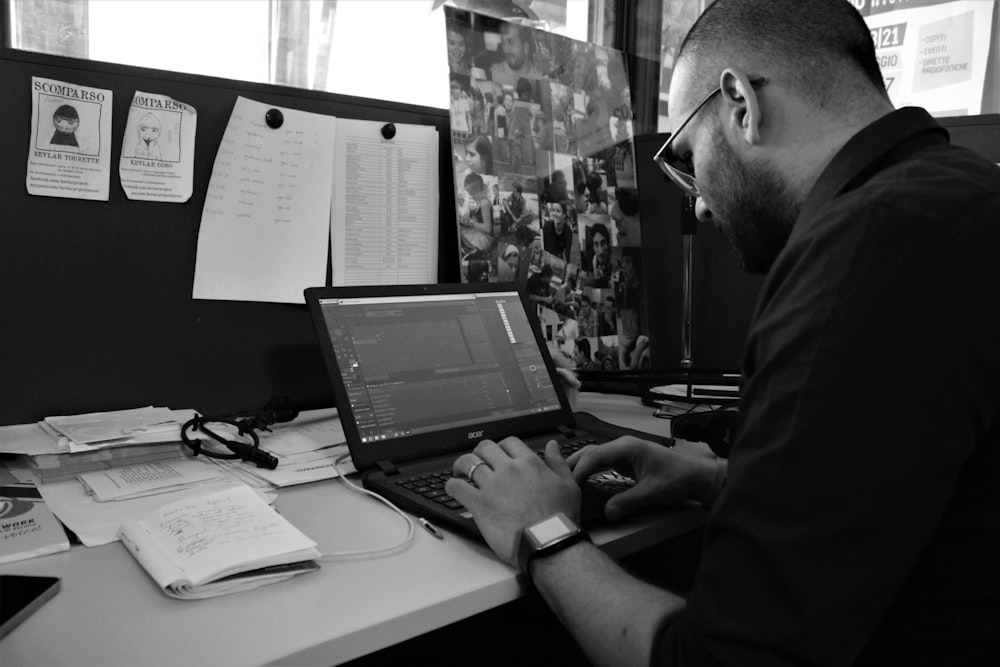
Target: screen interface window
{"x": 418, "y": 364}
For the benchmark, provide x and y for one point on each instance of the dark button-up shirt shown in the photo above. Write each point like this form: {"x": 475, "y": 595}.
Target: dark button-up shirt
{"x": 860, "y": 522}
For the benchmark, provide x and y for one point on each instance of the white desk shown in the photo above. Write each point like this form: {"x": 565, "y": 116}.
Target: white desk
{"x": 109, "y": 612}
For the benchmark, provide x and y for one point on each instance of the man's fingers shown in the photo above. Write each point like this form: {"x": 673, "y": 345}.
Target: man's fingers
{"x": 513, "y": 447}
{"x": 491, "y": 452}
{"x": 555, "y": 460}
{"x": 593, "y": 458}
{"x": 628, "y": 501}
{"x": 568, "y": 377}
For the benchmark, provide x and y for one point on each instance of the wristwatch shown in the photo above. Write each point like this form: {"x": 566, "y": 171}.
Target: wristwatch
{"x": 547, "y": 536}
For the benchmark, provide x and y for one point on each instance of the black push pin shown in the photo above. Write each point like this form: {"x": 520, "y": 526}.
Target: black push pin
{"x": 274, "y": 118}
{"x": 388, "y": 130}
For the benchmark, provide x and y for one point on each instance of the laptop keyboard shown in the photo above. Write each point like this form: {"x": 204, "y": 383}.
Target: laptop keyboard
{"x": 431, "y": 485}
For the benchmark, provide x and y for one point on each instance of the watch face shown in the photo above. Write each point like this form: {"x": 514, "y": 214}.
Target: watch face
{"x": 550, "y": 529}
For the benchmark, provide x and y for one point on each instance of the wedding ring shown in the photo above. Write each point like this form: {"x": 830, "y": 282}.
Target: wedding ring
{"x": 472, "y": 471}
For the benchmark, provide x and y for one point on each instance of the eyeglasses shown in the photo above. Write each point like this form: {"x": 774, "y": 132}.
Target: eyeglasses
{"x": 681, "y": 171}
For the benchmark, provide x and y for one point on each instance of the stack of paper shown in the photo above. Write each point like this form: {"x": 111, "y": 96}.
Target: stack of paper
{"x": 128, "y": 482}
{"x": 54, "y": 467}
{"x": 63, "y": 447}
{"x": 96, "y": 430}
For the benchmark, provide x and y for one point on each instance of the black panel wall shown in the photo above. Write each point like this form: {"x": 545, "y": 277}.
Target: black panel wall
{"x": 96, "y": 296}
{"x": 722, "y": 296}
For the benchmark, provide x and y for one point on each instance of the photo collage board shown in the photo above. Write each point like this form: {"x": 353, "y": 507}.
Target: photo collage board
{"x": 545, "y": 182}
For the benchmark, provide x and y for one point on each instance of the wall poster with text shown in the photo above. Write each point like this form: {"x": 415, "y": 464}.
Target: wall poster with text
{"x": 933, "y": 53}
{"x": 545, "y": 182}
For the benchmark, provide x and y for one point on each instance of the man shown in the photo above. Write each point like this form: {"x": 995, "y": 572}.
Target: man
{"x": 588, "y": 318}
{"x": 558, "y": 188}
{"x": 460, "y": 105}
{"x": 625, "y": 214}
{"x": 860, "y": 519}
{"x": 600, "y": 255}
{"x": 518, "y": 46}
{"x": 582, "y": 356}
{"x": 477, "y": 230}
{"x": 539, "y": 286}
{"x": 557, "y": 236}
{"x": 515, "y": 208}
{"x": 504, "y": 115}
{"x": 609, "y": 317}
{"x": 541, "y": 131}
{"x": 507, "y": 269}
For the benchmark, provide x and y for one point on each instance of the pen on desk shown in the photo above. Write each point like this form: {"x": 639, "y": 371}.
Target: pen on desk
{"x": 429, "y": 527}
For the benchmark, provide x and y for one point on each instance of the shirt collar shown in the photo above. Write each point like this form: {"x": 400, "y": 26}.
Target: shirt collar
{"x": 855, "y": 161}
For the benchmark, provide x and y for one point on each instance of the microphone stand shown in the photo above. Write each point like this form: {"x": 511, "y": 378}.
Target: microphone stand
{"x": 689, "y": 224}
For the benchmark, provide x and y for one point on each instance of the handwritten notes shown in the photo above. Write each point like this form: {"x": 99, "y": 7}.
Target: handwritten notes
{"x": 384, "y": 222}
{"x": 219, "y": 521}
{"x": 199, "y": 540}
{"x": 265, "y": 222}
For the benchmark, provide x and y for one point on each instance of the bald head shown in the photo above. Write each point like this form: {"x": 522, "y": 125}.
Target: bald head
{"x": 821, "y": 48}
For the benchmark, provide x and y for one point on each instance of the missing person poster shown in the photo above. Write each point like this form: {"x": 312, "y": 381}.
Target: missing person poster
{"x": 157, "y": 160}
{"x": 70, "y": 152}
{"x": 545, "y": 181}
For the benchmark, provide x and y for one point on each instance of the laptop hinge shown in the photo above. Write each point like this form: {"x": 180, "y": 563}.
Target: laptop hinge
{"x": 387, "y": 467}
{"x": 567, "y": 431}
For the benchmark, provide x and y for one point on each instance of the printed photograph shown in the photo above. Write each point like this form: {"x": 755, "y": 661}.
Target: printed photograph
{"x": 544, "y": 168}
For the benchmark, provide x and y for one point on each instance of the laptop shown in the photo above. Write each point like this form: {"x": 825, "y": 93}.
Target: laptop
{"x": 422, "y": 373}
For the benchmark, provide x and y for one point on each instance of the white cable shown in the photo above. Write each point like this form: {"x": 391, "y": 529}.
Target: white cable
{"x": 381, "y": 551}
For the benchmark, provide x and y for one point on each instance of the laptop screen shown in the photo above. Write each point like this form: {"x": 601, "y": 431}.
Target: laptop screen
{"x": 422, "y": 363}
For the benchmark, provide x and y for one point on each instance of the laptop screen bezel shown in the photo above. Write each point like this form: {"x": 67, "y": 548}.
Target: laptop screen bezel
{"x": 446, "y": 441}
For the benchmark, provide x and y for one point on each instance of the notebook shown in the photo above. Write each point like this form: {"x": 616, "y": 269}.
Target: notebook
{"x": 422, "y": 373}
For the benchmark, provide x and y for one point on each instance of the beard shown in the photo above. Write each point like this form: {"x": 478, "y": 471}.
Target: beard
{"x": 755, "y": 210}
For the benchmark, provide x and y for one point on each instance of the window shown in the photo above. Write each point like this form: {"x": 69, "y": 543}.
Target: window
{"x": 383, "y": 49}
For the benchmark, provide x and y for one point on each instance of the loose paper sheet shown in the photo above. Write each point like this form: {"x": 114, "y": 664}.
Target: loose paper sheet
{"x": 265, "y": 222}
{"x": 148, "y": 479}
{"x": 70, "y": 153}
{"x": 97, "y": 523}
{"x": 384, "y": 220}
{"x": 27, "y": 439}
{"x": 157, "y": 162}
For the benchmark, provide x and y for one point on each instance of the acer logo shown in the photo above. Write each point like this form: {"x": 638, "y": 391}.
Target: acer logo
{"x": 475, "y": 434}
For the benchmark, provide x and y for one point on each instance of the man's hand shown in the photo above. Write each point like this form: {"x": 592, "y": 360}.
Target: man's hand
{"x": 513, "y": 487}
{"x": 663, "y": 475}
{"x": 564, "y": 368}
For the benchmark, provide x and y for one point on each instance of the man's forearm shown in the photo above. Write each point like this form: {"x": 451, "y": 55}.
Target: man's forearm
{"x": 611, "y": 614}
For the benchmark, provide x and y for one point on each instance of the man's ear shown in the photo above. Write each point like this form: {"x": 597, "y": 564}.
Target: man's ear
{"x": 744, "y": 108}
